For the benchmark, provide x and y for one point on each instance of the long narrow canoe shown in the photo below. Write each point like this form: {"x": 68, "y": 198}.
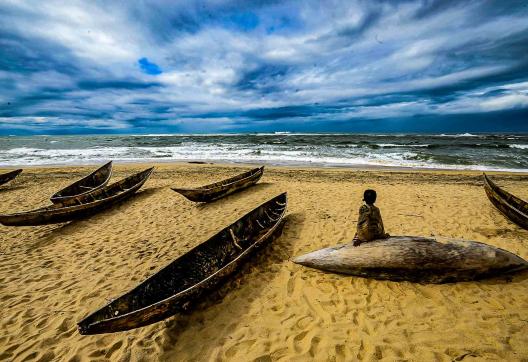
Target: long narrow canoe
{"x": 94, "y": 181}
{"x": 80, "y": 206}
{"x": 194, "y": 274}
{"x": 510, "y": 205}
{"x": 416, "y": 259}
{"x": 6, "y": 177}
{"x": 223, "y": 188}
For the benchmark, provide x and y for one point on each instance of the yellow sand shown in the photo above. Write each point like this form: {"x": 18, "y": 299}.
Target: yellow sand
{"x": 52, "y": 276}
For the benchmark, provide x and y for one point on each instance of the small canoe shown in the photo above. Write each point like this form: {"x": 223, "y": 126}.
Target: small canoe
{"x": 6, "y": 177}
{"x": 94, "y": 181}
{"x": 79, "y": 206}
{"x": 509, "y": 205}
{"x": 416, "y": 259}
{"x": 223, "y": 188}
{"x": 194, "y": 274}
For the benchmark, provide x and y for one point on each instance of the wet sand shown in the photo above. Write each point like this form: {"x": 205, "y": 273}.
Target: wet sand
{"x": 52, "y": 276}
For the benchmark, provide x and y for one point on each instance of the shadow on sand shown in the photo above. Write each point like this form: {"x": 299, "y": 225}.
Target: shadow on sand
{"x": 48, "y": 233}
{"x": 11, "y": 188}
{"x": 518, "y": 277}
{"x": 279, "y": 251}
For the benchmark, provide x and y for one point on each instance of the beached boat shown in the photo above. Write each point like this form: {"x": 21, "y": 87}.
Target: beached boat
{"x": 6, "y": 177}
{"x": 223, "y": 188}
{"x": 94, "y": 181}
{"x": 79, "y": 206}
{"x": 416, "y": 259}
{"x": 510, "y": 205}
{"x": 175, "y": 287}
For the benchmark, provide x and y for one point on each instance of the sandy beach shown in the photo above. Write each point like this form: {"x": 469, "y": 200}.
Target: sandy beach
{"x": 273, "y": 310}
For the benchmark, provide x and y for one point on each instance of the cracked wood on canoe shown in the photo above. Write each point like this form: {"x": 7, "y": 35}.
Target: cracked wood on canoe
{"x": 509, "y": 205}
{"x": 80, "y": 206}
{"x": 223, "y": 188}
{"x": 87, "y": 185}
{"x": 185, "y": 280}
{"x": 415, "y": 259}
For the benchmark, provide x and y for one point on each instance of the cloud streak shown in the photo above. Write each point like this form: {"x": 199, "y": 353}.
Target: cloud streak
{"x": 217, "y": 66}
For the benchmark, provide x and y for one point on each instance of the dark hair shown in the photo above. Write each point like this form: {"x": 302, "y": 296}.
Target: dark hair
{"x": 369, "y": 196}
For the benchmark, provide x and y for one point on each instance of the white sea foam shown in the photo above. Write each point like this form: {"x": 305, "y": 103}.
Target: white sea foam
{"x": 459, "y": 135}
{"x": 389, "y": 154}
{"x": 388, "y": 145}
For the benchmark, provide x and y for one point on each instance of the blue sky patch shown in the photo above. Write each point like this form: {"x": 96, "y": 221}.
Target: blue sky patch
{"x": 148, "y": 67}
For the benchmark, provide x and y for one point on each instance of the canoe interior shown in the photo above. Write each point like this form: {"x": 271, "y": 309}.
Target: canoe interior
{"x": 222, "y": 188}
{"x": 233, "y": 179}
{"x": 510, "y": 205}
{"x": 106, "y": 192}
{"x": 96, "y": 180}
{"x": 195, "y": 272}
{"x": 8, "y": 176}
{"x": 80, "y": 206}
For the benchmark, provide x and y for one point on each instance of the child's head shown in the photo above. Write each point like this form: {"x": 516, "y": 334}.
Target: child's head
{"x": 369, "y": 196}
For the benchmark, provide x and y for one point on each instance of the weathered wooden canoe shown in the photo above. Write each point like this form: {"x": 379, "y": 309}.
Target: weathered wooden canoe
{"x": 511, "y": 206}
{"x": 6, "y": 177}
{"x": 175, "y": 287}
{"x": 94, "y": 181}
{"x": 80, "y": 206}
{"x": 415, "y": 259}
{"x": 223, "y": 188}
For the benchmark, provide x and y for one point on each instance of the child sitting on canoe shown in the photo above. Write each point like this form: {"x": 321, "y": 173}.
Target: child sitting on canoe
{"x": 370, "y": 225}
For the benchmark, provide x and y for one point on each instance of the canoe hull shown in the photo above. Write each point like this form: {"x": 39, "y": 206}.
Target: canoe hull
{"x": 416, "y": 259}
{"x": 222, "y": 189}
{"x": 509, "y": 205}
{"x": 75, "y": 208}
{"x": 179, "y": 285}
{"x": 169, "y": 308}
{"x": 85, "y": 186}
{"x": 6, "y": 177}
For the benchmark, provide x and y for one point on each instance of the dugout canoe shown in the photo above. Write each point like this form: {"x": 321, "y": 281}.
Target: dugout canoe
{"x": 81, "y": 206}
{"x": 6, "y": 177}
{"x": 223, "y": 188}
{"x": 416, "y": 259}
{"x": 509, "y": 205}
{"x": 94, "y": 181}
{"x": 194, "y": 274}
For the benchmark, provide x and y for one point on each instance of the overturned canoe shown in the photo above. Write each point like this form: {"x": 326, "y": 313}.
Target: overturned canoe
{"x": 223, "y": 188}
{"x": 6, "y": 177}
{"x": 415, "y": 259}
{"x": 79, "y": 206}
{"x": 509, "y": 205}
{"x": 94, "y": 181}
{"x": 175, "y": 287}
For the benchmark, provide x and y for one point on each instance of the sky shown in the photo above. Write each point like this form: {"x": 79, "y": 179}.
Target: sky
{"x": 261, "y": 66}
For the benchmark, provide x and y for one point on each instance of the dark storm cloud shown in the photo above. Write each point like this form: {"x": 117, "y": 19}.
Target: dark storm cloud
{"x": 221, "y": 65}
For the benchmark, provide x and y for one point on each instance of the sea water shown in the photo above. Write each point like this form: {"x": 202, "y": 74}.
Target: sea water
{"x": 507, "y": 152}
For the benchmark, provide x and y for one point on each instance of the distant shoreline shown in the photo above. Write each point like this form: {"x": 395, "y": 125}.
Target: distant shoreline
{"x": 372, "y": 168}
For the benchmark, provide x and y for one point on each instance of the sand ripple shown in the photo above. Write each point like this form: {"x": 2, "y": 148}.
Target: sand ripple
{"x": 52, "y": 276}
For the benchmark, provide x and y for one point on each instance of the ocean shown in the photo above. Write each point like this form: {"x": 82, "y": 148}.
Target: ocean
{"x": 443, "y": 151}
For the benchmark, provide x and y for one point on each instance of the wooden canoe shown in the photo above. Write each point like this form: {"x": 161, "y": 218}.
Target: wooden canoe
{"x": 80, "y": 206}
{"x": 194, "y": 274}
{"x": 223, "y": 188}
{"x": 94, "y": 181}
{"x": 6, "y": 177}
{"x": 510, "y": 205}
{"x": 416, "y": 259}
